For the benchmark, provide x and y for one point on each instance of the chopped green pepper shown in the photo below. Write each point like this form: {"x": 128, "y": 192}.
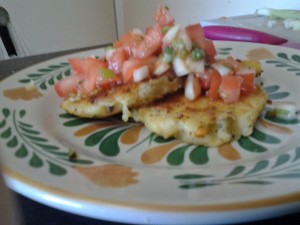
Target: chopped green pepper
{"x": 183, "y": 54}
{"x": 106, "y": 73}
{"x": 165, "y": 29}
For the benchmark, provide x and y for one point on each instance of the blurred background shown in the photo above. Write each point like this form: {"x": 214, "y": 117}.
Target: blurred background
{"x": 33, "y": 27}
{"x": 42, "y": 26}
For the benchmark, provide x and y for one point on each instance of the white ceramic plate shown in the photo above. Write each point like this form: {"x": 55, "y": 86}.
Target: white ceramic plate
{"x": 124, "y": 173}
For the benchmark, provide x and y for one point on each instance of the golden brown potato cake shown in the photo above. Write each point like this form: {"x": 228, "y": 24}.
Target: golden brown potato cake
{"x": 105, "y": 103}
{"x": 202, "y": 121}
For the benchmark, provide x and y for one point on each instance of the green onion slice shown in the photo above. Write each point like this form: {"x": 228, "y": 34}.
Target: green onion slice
{"x": 168, "y": 54}
{"x": 197, "y": 54}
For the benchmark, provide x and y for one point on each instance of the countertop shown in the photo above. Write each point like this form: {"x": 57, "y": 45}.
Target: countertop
{"x": 34, "y": 213}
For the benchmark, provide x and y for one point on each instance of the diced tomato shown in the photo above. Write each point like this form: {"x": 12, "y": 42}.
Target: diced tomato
{"x": 204, "y": 80}
{"x": 116, "y": 60}
{"x": 129, "y": 41}
{"x": 83, "y": 80}
{"x": 153, "y": 36}
{"x": 247, "y": 83}
{"x": 86, "y": 84}
{"x": 230, "y": 88}
{"x": 231, "y": 63}
{"x": 210, "y": 51}
{"x": 90, "y": 76}
{"x": 83, "y": 65}
{"x": 196, "y": 34}
{"x": 163, "y": 17}
{"x": 77, "y": 64}
{"x": 215, "y": 81}
{"x": 128, "y": 67}
{"x": 108, "y": 82}
{"x": 67, "y": 85}
{"x": 151, "y": 44}
{"x": 205, "y": 77}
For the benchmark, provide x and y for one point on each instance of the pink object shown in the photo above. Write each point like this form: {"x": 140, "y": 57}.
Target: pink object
{"x": 227, "y": 33}
{"x": 230, "y": 33}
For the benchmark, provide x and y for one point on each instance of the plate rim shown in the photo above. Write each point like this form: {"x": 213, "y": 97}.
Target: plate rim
{"x": 230, "y": 206}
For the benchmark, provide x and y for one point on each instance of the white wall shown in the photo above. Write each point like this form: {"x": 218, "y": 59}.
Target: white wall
{"x": 55, "y": 25}
{"x": 139, "y": 13}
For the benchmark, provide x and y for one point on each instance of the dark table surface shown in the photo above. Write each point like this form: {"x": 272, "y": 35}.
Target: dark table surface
{"x": 34, "y": 213}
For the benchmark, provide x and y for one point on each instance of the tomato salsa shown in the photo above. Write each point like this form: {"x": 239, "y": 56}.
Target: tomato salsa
{"x": 164, "y": 46}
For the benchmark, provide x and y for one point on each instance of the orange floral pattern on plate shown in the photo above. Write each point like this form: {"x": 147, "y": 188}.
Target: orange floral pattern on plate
{"x": 94, "y": 127}
{"x": 111, "y": 175}
{"x": 131, "y": 135}
{"x": 275, "y": 127}
{"x": 155, "y": 154}
{"x": 229, "y": 152}
{"x": 22, "y": 94}
{"x": 259, "y": 54}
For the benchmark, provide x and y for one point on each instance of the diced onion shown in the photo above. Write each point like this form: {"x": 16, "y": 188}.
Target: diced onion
{"x": 223, "y": 70}
{"x": 195, "y": 66}
{"x": 186, "y": 39}
{"x": 171, "y": 34}
{"x": 180, "y": 67}
{"x": 161, "y": 68}
{"x": 192, "y": 87}
{"x": 140, "y": 73}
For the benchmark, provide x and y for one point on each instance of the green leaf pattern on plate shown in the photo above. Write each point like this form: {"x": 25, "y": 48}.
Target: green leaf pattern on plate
{"x": 264, "y": 172}
{"x": 28, "y": 143}
{"x": 224, "y": 51}
{"x": 45, "y": 77}
{"x": 290, "y": 63}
